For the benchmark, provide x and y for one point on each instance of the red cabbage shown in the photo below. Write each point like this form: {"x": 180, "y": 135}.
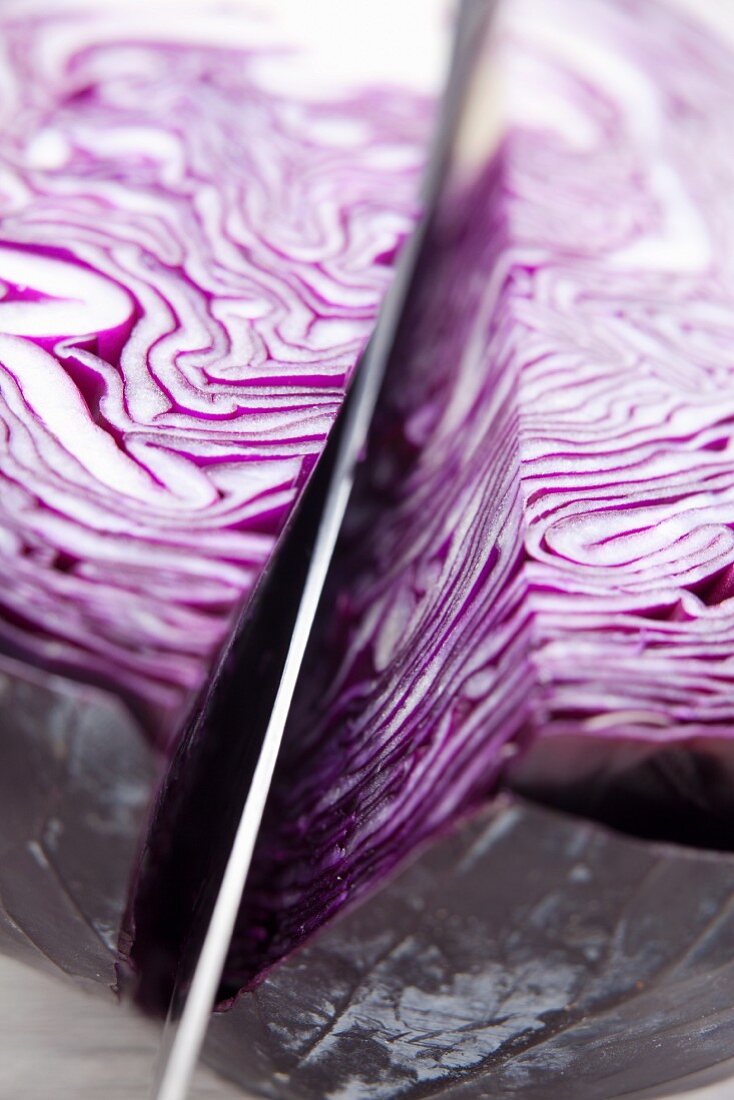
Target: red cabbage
{"x": 199, "y": 218}
{"x": 541, "y": 543}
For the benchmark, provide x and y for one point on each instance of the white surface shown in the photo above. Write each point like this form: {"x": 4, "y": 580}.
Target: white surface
{"x": 329, "y": 45}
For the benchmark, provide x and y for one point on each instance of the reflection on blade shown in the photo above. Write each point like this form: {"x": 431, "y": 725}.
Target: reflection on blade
{"x": 184, "y": 1042}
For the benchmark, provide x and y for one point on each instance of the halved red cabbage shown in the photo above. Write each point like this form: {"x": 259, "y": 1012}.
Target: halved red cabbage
{"x": 200, "y": 211}
{"x": 541, "y": 541}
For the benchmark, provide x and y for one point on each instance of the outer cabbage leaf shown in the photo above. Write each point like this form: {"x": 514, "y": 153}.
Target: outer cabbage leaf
{"x": 525, "y": 955}
{"x": 75, "y": 779}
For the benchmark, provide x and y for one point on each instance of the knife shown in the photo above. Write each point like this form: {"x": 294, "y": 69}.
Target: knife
{"x": 312, "y": 538}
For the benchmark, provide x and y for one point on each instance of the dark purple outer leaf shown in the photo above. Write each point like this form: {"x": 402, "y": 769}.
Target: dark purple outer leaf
{"x": 526, "y": 955}
{"x": 75, "y": 781}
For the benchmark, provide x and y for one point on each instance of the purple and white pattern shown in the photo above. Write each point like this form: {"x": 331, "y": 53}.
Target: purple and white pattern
{"x": 199, "y": 211}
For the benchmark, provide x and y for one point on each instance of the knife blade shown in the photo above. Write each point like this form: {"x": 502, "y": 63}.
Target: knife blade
{"x": 201, "y": 965}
